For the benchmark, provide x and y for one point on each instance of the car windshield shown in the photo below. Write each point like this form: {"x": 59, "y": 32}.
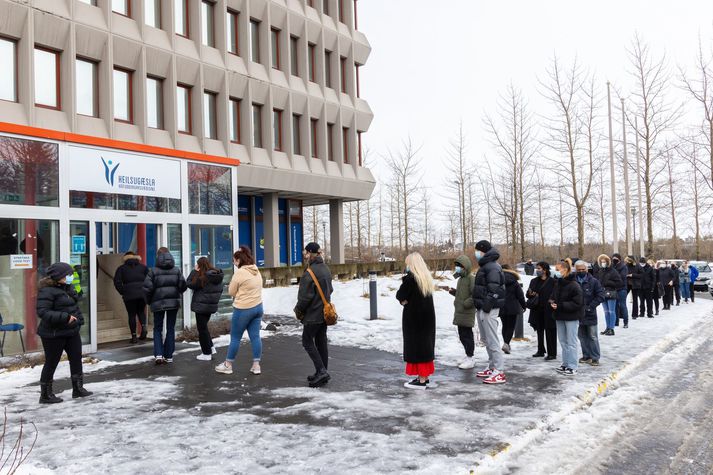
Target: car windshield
{"x": 702, "y": 267}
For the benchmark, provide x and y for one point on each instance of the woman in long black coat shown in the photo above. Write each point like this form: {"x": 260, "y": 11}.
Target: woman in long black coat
{"x": 541, "y": 318}
{"x": 418, "y": 321}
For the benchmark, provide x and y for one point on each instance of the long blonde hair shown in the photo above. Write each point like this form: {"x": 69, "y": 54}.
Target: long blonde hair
{"x": 420, "y": 272}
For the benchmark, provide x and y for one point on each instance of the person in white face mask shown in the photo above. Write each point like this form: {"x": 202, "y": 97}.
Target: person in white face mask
{"x": 464, "y": 314}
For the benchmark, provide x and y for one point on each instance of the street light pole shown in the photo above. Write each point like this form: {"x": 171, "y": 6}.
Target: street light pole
{"x": 615, "y": 231}
{"x": 324, "y": 234}
{"x": 627, "y": 204}
{"x": 534, "y": 248}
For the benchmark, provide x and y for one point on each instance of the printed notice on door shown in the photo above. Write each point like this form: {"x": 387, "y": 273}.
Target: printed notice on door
{"x": 20, "y": 261}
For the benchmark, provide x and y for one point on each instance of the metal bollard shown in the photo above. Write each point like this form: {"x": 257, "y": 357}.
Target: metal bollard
{"x": 372, "y": 295}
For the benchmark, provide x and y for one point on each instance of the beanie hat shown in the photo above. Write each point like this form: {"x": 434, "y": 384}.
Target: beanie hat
{"x": 312, "y": 248}
{"x": 483, "y": 246}
{"x": 59, "y": 271}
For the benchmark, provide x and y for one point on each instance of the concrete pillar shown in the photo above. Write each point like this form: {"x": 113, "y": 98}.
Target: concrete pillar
{"x": 271, "y": 224}
{"x": 336, "y": 231}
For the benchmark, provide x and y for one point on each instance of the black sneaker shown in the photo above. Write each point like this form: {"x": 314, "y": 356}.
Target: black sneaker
{"x": 604, "y": 332}
{"x": 561, "y": 369}
{"x": 416, "y": 384}
{"x": 569, "y": 372}
{"x": 320, "y": 379}
{"x": 626, "y": 325}
{"x": 538, "y": 355}
{"x": 651, "y": 316}
{"x": 311, "y": 377}
{"x": 634, "y": 317}
{"x": 550, "y": 358}
{"x": 585, "y": 360}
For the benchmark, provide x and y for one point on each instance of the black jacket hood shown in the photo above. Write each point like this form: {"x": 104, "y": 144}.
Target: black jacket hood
{"x": 165, "y": 261}
{"x": 491, "y": 256}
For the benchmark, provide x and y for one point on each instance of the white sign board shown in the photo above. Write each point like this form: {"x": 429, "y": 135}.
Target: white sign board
{"x": 20, "y": 261}
{"x": 105, "y": 171}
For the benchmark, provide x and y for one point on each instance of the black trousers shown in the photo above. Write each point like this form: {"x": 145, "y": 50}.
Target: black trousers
{"x": 646, "y": 299}
{"x": 509, "y": 322}
{"x": 136, "y": 308}
{"x": 693, "y": 293}
{"x": 677, "y": 290}
{"x": 549, "y": 334}
{"x": 53, "y": 348}
{"x": 667, "y": 296}
{"x": 635, "y": 299}
{"x": 314, "y": 341}
{"x": 466, "y": 338}
{"x": 203, "y": 334}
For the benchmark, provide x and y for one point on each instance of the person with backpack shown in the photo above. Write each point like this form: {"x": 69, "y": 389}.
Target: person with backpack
{"x": 163, "y": 289}
{"x": 489, "y": 298}
{"x": 418, "y": 321}
{"x": 60, "y": 320}
{"x": 464, "y": 315}
{"x": 206, "y": 282}
{"x": 310, "y": 311}
{"x": 515, "y": 304}
{"x": 246, "y": 289}
{"x": 129, "y": 282}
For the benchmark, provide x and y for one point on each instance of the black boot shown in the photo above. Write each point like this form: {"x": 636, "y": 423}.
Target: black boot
{"x": 78, "y": 386}
{"x": 46, "y": 394}
{"x": 321, "y": 379}
{"x": 133, "y": 338}
{"x": 142, "y": 336}
{"x": 312, "y": 377}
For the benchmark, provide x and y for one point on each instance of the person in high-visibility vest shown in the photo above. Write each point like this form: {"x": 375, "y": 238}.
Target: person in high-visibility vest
{"x": 76, "y": 280}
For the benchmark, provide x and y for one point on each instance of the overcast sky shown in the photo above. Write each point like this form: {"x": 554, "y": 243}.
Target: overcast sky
{"x": 434, "y": 63}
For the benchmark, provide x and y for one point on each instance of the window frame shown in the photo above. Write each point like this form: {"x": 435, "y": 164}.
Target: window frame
{"x": 15, "y": 65}
{"x": 233, "y": 18}
{"x": 130, "y": 98}
{"x": 160, "y": 119}
{"x": 189, "y": 109}
{"x": 296, "y": 138}
{"x": 275, "y": 48}
{"x": 128, "y": 9}
{"x": 312, "y": 62}
{"x": 343, "y": 72}
{"x": 328, "y": 69}
{"x": 358, "y": 86}
{"x": 257, "y": 125}
{"x": 345, "y": 145}
{"x": 236, "y": 129}
{"x": 294, "y": 55}
{"x": 208, "y": 23}
{"x": 314, "y": 132}
{"x": 212, "y": 103}
{"x": 340, "y": 7}
{"x": 58, "y": 77}
{"x": 95, "y": 85}
{"x": 330, "y": 142}
{"x": 255, "y": 40}
{"x": 186, "y": 19}
{"x": 156, "y": 11}
{"x": 359, "y": 149}
{"x": 277, "y": 129}
{"x": 325, "y": 7}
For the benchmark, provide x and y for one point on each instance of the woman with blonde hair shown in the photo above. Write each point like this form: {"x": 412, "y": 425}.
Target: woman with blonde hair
{"x": 418, "y": 321}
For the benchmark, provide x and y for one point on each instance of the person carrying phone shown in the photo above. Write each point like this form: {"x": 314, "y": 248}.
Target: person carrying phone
{"x": 60, "y": 321}
{"x": 464, "y": 314}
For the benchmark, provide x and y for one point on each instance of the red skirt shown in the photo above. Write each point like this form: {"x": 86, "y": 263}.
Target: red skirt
{"x": 420, "y": 369}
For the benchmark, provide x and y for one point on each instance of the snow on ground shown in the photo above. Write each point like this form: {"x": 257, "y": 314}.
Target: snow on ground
{"x": 457, "y": 425}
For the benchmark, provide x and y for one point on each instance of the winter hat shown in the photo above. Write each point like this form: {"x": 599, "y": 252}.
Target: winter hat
{"x": 312, "y": 248}
{"x": 483, "y": 246}
{"x": 616, "y": 255}
{"x": 59, "y": 271}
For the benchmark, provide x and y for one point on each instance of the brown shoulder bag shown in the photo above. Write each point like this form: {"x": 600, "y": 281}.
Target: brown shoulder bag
{"x": 330, "y": 311}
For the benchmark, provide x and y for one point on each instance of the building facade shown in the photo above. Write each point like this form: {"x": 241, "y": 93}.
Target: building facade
{"x": 192, "y": 124}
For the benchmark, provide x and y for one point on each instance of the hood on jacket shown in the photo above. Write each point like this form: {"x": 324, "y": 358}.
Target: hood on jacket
{"x": 131, "y": 259}
{"x": 512, "y": 273}
{"x": 252, "y": 268}
{"x": 605, "y": 258}
{"x": 165, "y": 261}
{"x": 214, "y": 276}
{"x": 465, "y": 263}
{"x": 491, "y": 256}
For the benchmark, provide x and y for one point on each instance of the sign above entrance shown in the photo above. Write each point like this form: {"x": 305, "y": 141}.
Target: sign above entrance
{"x": 104, "y": 171}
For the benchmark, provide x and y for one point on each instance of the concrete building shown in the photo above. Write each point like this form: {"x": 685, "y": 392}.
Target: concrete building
{"x": 196, "y": 125}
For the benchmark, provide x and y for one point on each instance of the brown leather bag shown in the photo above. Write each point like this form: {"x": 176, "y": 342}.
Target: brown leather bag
{"x": 330, "y": 311}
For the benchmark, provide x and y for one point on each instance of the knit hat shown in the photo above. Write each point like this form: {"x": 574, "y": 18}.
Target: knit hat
{"x": 312, "y": 248}
{"x": 59, "y": 271}
{"x": 483, "y": 246}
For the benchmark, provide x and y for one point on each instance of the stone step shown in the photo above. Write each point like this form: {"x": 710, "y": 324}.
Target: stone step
{"x": 116, "y": 334}
{"x": 103, "y": 315}
{"x": 112, "y": 323}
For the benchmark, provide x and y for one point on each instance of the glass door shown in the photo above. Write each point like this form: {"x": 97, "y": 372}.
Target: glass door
{"x": 79, "y": 259}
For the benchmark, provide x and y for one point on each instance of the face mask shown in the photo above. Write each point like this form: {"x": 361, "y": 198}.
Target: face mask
{"x": 581, "y": 274}
{"x": 603, "y": 265}
{"x": 478, "y": 255}
{"x": 539, "y": 273}
{"x": 615, "y": 261}
{"x": 459, "y": 270}
{"x": 641, "y": 264}
{"x": 70, "y": 279}
{"x": 557, "y": 274}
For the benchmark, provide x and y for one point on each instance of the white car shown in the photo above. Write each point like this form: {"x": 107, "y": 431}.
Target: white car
{"x": 705, "y": 274}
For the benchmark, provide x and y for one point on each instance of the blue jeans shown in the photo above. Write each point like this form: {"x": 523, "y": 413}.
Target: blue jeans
{"x": 622, "y": 311}
{"x": 161, "y": 348}
{"x": 590, "y": 341}
{"x": 245, "y": 319}
{"x": 610, "y": 312}
{"x": 685, "y": 290}
{"x": 567, "y": 334}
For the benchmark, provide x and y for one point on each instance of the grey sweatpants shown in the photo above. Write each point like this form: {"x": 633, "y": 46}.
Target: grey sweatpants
{"x": 488, "y": 326}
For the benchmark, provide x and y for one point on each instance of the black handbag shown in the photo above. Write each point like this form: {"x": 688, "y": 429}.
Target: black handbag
{"x": 610, "y": 294}
{"x": 532, "y": 302}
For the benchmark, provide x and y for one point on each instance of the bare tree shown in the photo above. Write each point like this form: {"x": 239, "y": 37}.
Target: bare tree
{"x": 459, "y": 174}
{"x": 572, "y": 134}
{"x": 658, "y": 118}
{"x": 405, "y": 169}
{"x": 673, "y": 196}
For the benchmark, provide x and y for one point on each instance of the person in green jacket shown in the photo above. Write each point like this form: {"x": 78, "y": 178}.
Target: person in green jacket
{"x": 464, "y": 315}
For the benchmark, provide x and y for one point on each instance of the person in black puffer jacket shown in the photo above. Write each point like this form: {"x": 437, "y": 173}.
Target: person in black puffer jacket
{"x": 567, "y": 301}
{"x": 488, "y": 299}
{"x": 515, "y": 304}
{"x": 593, "y": 294}
{"x": 207, "y": 284}
{"x": 611, "y": 281}
{"x": 163, "y": 287}
{"x": 60, "y": 321}
{"x": 540, "y": 317}
{"x": 129, "y": 281}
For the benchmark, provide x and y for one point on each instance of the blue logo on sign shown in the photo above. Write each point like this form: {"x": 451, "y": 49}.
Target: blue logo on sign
{"x": 109, "y": 171}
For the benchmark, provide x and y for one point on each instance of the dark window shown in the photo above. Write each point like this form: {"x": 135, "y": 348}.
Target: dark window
{"x": 340, "y": 4}
{"x": 328, "y": 69}
{"x": 257, "y": 125}
{"x": 312, "y": 61}
{"x": 277, "y": 129}
{"x": 345, "y": 144}
{"x": 313, "y": 124}
{"x": 29, "y": 172}
{"x": 330, "y": 142}
{"x": 255, "y": 41}
{"x": 343, "y": 73}
{"x": 325, "y": 6}
{"x": 361, "y": 158}
{"x": 294, "y": 56}
{"x": 235, "y": 120}
{"x": 296, "y": 146}
{"x": 356, "y": 67}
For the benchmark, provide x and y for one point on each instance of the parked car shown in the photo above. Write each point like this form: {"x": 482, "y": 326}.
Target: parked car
{"x": 705, "y": 274}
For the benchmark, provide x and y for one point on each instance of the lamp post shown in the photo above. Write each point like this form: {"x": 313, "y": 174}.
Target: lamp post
{"x": 534, "y": 249}
{"x": 324, "y": 235}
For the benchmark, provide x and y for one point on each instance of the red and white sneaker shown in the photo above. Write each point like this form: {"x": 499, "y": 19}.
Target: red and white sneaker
{"x": 496, "y": 378}
{"x": 486, "y": 373}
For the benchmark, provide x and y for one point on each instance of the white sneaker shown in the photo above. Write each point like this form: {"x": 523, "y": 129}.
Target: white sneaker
{"x": 203, "y": 357}
{"x": 224, "y": 368}
{"x": 168, "y": 360}
{"x": 468, "y": 363}
{"x": 213, "y": 350}
{"x": 255, "y": 369}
